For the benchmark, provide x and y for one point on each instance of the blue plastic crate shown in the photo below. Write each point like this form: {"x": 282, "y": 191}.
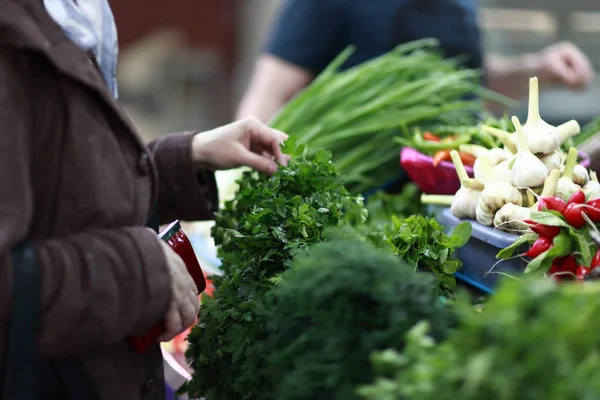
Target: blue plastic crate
{"x": 481, "y": 268}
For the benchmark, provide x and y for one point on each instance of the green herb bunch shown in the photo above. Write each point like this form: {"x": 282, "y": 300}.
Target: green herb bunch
{"x": 269, "y": 218}
{"x": 534, "y": 340}
{"x": 341, "y": 301}
{"x": 421, "y": 242}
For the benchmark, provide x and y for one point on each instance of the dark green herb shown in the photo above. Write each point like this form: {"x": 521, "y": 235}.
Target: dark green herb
{"x": 534, "y": 340}
{"x": 257, "y": 232}
{"x": 340, "y": 302}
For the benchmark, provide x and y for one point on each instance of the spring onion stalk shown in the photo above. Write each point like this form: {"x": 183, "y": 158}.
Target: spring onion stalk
{"x": 356, "y": 113}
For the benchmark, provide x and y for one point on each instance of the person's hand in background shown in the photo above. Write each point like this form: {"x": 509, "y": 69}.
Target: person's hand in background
{"x": 247, "y": 142}
{"x": 564, "y": 64}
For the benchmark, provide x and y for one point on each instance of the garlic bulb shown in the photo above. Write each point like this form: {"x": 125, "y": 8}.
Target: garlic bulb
{"x": 568, "y": 130}
{"x": 495, "y": 155}
{"x": 465, "y": 199}
{"x": 566, "y": 187}
{"x": 541, "y": 136}
{"x": 511, "y": 216}
{"x": 502, "y": 172}
{"x": 494, "y": 195}
{"x": 592, "y": 188}
{"x": 552, "y": 161}
{"x": 580, "y": 175}
{"x": 528, "y": 170}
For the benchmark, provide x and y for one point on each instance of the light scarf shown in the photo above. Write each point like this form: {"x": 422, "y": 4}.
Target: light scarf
{"x": 91, "y": 26}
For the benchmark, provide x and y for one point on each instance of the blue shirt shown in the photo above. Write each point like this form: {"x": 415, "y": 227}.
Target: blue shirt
{"x": 311, "y": 33}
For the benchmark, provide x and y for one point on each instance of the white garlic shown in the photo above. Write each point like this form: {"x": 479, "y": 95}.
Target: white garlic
{"x": 552, "y": 161}
{"x": 527, "y": 170}
{"x": 494, "y": 195}
{"x": 580, "y": 175}
{"x": 541, "y": 136}
{"x": 566, "y": 187}
{"x": 502, "y": 172}
{"x": 592, "y": 188}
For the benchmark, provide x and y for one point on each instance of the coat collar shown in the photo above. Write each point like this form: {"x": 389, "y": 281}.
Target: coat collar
{"x": 25, "y": 25}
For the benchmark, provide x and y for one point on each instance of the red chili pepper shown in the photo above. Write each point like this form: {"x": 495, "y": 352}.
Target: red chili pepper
{"x": 466, "y": 158}
{"x": 593, "y": 210}
{"x": 574, "y": 215}
{"x": 430, "y": 137}
{"x": 577, "y": 198}
{"x": 442, "y": 155}
{"x": 538, "y": 247}
{"x": 596, "y": 260}
{"x": 569, "y": 264}
{"x": 552, "y": 203}
{"x": 547, "y": 231}
{"x": 582, "y": 272}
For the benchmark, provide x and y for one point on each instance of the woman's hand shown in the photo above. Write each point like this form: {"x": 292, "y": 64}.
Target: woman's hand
{"x": 183, "y": 311}
{"x": 247, "y": 142}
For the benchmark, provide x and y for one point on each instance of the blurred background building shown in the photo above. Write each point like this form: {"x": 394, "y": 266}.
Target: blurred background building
{"x": 185, "y": 63}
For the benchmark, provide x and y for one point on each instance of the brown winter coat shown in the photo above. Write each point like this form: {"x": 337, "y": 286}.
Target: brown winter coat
{"x": 76, "y": 179}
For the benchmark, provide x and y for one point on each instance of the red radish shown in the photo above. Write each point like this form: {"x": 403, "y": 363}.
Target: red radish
{"x": 547, "y": 231}
{"x": 574, "y": 215}
{"x": 577, "y": 198}
{"x": 569, "y": 264}
{"x": 596, "y": 260}
{"x": 552, "y": 203}
{"x": 538, "y": 247}
{"x": 581, "y": 272}
{"x": 593, "y": 210}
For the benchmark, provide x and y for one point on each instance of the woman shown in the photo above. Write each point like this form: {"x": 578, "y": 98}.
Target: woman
{"x": 78, "y": 184}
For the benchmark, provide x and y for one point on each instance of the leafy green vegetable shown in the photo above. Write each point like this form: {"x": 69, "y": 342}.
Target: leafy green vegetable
{"x": 534, "y": 340}
{"x": 340, "y": 302}
{"x": 356, "y": 113}
{"x": 587, "y": 132}
{"x": 522, "y": 240}
{"x": 257, "y": 232}
{"x": 562, "y": 246}
{"x": 421, "y": 242}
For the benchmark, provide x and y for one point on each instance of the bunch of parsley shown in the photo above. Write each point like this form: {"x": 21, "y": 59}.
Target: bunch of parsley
{"x": 421, "y": 242}
{"x": 258, "y": 231}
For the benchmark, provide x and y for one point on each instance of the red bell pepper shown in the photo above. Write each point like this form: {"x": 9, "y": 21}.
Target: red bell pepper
{"x": 577, "y": 198}
{"x": 574, "y": 215}
{"x": 552, "y": 203}
{"x": 538, "y": 247}
{"x": 547, "y": 231}
{"x": 593, "y": 210}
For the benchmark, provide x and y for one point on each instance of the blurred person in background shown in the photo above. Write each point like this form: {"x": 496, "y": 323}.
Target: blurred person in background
{"x": 309, "y": 34}
{"x": 78, "y": 186}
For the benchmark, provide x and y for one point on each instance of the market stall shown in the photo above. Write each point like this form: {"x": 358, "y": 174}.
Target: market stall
{"x": 318, "y": 293}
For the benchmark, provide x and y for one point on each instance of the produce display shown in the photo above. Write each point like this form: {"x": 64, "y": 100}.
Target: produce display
{"x": 327, "y": 295}
{"x": 565, "y": 239}
{"x": 357, "y": 113}
{"x": 508, "y": 179}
